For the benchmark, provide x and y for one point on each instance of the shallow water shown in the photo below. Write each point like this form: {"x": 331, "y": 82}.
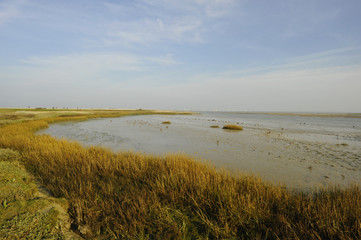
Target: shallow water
{"x": 301, "y": 152}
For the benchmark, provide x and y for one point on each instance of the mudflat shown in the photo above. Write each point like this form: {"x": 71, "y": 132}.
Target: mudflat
{"x": 301, "y": 152}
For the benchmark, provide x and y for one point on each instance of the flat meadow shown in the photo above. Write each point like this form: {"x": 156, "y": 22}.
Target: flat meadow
{"x": 128, "y": 195}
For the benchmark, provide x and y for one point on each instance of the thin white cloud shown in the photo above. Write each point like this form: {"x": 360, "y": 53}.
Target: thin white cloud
{"x": 94, "y": 62}
{"x": 9, "y": 11}
{"x": 163, "y": 20}
{"x": 99, "y": 61}
{"x": 149, "y": 31}
{"x": 210, "y": 8}
{"x": 126, "y": 23}
{"x": 217, "y": 8}
{"x": 77, "y": 71}
{"x": 346, "y": 57}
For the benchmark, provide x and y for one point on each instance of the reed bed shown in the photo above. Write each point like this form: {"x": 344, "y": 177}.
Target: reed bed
{"x": 129, "y": 195}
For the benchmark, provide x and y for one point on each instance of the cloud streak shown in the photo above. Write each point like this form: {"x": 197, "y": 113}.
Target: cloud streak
{"x": 99, "y": 61}
{"x": 9, "y": 11}
{"x": 88, "y": 71}
{"x": 148, "y": 31}
{"x": 187, "y": 21}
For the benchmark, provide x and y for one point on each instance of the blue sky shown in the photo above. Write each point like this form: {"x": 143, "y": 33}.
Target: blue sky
{"x": 185, "y": 55}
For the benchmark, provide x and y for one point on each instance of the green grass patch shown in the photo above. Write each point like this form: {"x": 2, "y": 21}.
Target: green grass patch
{"x": 166, "y": 122}
{"x": 21, "y": 215}
{"x": 15, "y": 182}
{"x": 31, "y": 226}
{"x": 214, "y": 126}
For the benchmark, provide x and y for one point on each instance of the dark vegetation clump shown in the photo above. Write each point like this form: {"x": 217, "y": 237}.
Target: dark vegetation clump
{"x": 232, "y": 127}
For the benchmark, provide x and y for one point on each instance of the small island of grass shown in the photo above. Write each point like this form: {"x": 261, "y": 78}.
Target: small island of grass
{"x": 232, "y": 127}
{"x": 166, "y": 122}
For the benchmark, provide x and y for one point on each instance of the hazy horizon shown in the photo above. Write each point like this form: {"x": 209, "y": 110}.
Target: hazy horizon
{"x": 196, "y": 55}
{"x": 65, "y": 109}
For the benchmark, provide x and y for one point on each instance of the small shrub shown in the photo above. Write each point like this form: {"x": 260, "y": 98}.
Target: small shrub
{"x": 342, "y": 144}
{"x": 232, "y": 127}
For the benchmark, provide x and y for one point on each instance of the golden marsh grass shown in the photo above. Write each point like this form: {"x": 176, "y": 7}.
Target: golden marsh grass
{"x": 129, "y": 195}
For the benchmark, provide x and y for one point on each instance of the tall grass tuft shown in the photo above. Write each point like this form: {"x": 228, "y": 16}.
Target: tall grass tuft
{"x": 232, "y": 127}
{"x": 130, "y": 195}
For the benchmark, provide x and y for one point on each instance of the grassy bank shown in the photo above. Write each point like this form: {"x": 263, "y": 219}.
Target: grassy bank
{"x": 25, "y": 212}
{"x": 134, "y": 196}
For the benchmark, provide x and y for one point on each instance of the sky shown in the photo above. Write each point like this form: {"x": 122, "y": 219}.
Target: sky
{"x": 237, "y": 55}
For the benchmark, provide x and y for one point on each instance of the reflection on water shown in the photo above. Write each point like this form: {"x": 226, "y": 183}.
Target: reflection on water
{"x": 299, "y": 151}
